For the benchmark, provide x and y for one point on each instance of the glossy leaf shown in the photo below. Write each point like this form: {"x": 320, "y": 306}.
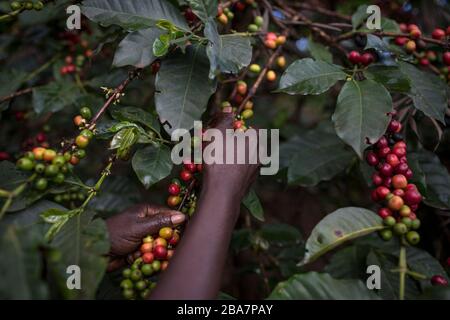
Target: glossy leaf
{"x": 204, "y": 9}
{"x": 319, "y": 52}
{"x": 252, "y": 203}
{"x": 152, "y": 164}
{"x": 306, "y": 76}
{"x": 54, "y": 96}
{"x": 389, "y": 76}
{"x": 361, "y": 114}
{"x": 338, "y": 227}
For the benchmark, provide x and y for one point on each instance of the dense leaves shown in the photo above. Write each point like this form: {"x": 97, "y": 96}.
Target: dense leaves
{"x": 152, "y": 164}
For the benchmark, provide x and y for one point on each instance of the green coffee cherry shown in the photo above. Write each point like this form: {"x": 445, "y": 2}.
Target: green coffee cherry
{"x": 386, "y": 234}
{"x": 252, "y": 27}
{"x": 86, "y": 113}
{"x": 259, "y": 21}
{"x": 400, "y": 228}
{"x": 25, "y": 164}
{"x": 41, "y": 184}
{"x": 413, "y": 237}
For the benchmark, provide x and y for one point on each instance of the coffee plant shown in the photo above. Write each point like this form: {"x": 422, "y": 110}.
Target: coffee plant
{"x": 87, "y": 114}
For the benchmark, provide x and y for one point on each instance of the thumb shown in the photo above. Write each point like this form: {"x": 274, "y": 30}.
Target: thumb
{"x": 152, "y": 224}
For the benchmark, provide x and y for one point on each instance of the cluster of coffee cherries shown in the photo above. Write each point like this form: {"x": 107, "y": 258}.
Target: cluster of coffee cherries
{"x": 413, "y": 43}
{"x": 51, "y": 166}
{"x": 399, "y": 198}
{"x": 363, "y": 59}
{"x": 153, "y": 256}
{"x": 27, "y": 5}
{"x": 72, "y": 198}
{"x": 179, "y": 187}
{"x": 226, "y": 14}
{"x": 74, "y": 63}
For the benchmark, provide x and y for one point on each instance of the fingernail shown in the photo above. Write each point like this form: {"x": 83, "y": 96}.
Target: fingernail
{"x": 177, "y": 218}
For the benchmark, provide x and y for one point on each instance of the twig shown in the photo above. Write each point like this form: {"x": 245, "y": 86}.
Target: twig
{"x": 323, "y": 11}
{"x": 16, "y": 94}
{"x": 350, "y": 34}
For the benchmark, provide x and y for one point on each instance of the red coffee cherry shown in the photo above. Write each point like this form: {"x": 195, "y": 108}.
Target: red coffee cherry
{"x": 354, "y": 57}
{"x": 438, "y": 280}
{"x": 377, "y": 179}
{"x": 185, "y": 175}
{"x": 384, "y": 212}
{"x": 372, "y": 158}
{"x": 399, "y": 181}
{"x": 160, "y": 252}
{"x": 438, "y": 34}
{"x": 412, "y": 197}
{"x": 393, "y": 160}
{"x": 382, "y": 192}
{"x": 174, "y": 189}
{"x": 395, "y": 203}
{"x": 383, "y": 142}
{"x": 446, "y": 58}
{"x": 395, "y": 126}
{"x": 386, "y": 170}
{"x": 367, "y": 58}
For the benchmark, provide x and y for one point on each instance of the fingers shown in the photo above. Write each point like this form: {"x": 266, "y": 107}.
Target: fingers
{"x": 152, "y": 222}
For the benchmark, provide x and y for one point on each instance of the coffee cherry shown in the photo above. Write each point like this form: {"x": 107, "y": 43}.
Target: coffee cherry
{"x": 415, "y": 33}
{"x": 51, "y": 170}
{"x": 170, "y": 253}
{"x": 241, "y": 87}
{"x": 377, "y": 179}
{"x": 248, "y": 105}
{"x": 386, "y": 170}
{"x": 271, "y": 44}
{"x": 386, "y": 234}
{"x": 148, "y": 257}
{"x": 41, "y": 184}
{"x": 382, "y": 192}
{"x": 354, "y": 57}
{"x": 160, "y": 242}
{"x": 372, "y": 158}
{"x": 189, "y": 166}
{"x": 406, "y": 221}
{"x": 176, "y": 181}
{"x": 255, "y": 68}
{"x": 408, "y": 174}
{"x": 59, "y": 178}
{"x": 446, "y": 58}
{"x": 39, "y": 168}
{"x": 160, "y": 252}
{"x": 174, "y": 189}
{"x": 146, "y": 247}
{"x": 49, "y": 155}
{"x": 374, "y": 196}
{"x": 185, "y": 175}
{"x": 424, "y": 62}
{"x": 412, "y": 197}
{"x": 128, "y": 294}
{"x": 438, "y": 34}
{"x": 415, "y": 224}
{"x": 86, "y": 113}
{"x": 393, "y": 160}
{"x": 281, "y": 40}
{"x": 126, "y": 283}
{"x": 156, "y": 265}
{"x": 147, "y": 269}
{"x": 247, "y": 114}
{"x": 38, "y": 6}
{"x": 79, "y": 121}
{"x": 410, "y": 46}
{"x": 74, "y": 160}
{"x": 223, "y": 19}
{"x": 394, "y": 126}
{"x": 81, "y": 141}
{"x": 395, "y": 203}
{"x": 126, "y": 274}
{"x": 384, "y": 212}
{"x": 389, "y": 221}
{"x": 366, "y": 59}
{"x": 15, "y": 5}
{"x": 401, "y": 41}
{"x": 173, "y": 201}
{"x": 399, "y": 152}
{"x": 400, "y": 228}
{"x": 136, "y": 275}
{"x": 281, "y": 61}
{"x": 87, "y": 133}
{"x": 175, "y": 238}
{"x": 59, "y": 160}
{"x": 399, "y": 181}
{"x": 271, "y": 36}
{"x": 25, "y": 164}
{"x": 259, "y": 21}
{"x": 383, "y": 152}
{"x": 166, "y": 233}
{"x": 271, "y": 75}
{"x": 413, "y": 237}
{"x": 438, "y": 280}
{"x": 387, "y": 181}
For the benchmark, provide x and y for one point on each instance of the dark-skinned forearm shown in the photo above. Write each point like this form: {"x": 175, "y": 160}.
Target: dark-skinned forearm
{"x": 196, "y": 268}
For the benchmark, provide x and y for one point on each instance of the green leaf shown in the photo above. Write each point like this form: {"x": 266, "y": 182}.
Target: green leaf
{"x": 361, "y": 114}
{"x": 132, "y": 14}
{"x": 183, "y": 88}
{"x": 204, "y": 9}
{"x": 424, "y": 263}
{"x": 21, "y": 264}
{"x": 136, "y": 49}
{"x": 389, "y": 76}
{"x": 319, "y": 51}
{"x": 227, "y": 53}
{"x": 428, "y": 92}
{"x": 152, "y": 164}
{"x": 252, "y": 203}
{"x": 54, "y": 96}
{"x": 348, "y": 262}
{"x": 82, "y": 241}
{"x": 338, "y": 227}
{"x": 321, "y": 286}
{"x": 436, "y": 178}
{"x": 161, "y": 45}
{"x": 124, "y": 139}
{"x": 320, "y": 156}
{"x": 280, "y": 234}
{"x": 306, "y": 76}
{"x": 137, "y": 115}
{"x": 359, "y": 16}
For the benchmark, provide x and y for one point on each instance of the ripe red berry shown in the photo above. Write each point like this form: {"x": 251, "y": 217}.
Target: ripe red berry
{"x": 191, "y": 167}
{"x": 382, "y": 192}
{"x": 387, "y": 182}
{"x": 372, "y": 158}
{"x": 446, "y": 58}
{"x": 399, "y": 152}
{"x": 399, "y": 181}
{"x": 393, "y": 160}
{"x": 41, "y": 137}
{"x": 383, "y": 152}
{"x": 400, "y": 144}
{"x": 384, "y": 212}
{"x": 383, "y": 142}
{"x": 403, "y": 27}
{"x": 395, "y": 203}
{"x": 354, "y": 57}
{"x": 174, "y": 189}
{"x": 386, "y": 170}
{"x": 271, "y": 36}
{"x": 185, "y": 175}
{"x": 408, "y": 174}
{"x": 411, "y": 186}
{"x": 377, "y": 179}
{"x": 438, "y": 34}
{"x": 148, "y": 257}
{"x": 199, "y": 167}
{"x": 438, "y": 280}
{"x": 175, "y": 238}
{"x": 424, "y": 62}
{"x": 401, "y": 41}
{"x": 4, "y": 156}
{"x": 412, "y": 26}
{"x": 398, "y": 192}
{"x": 415, "y": 33}
{"x": 240, "y": 6}
{"x": 412, "y": 197}
{"x": 395, "y": 126}
{"x": 374, "y": 195}
{"x": 160, "y": 252}
{"x": 146, "y": 247}
{"x": 367, "y": 58}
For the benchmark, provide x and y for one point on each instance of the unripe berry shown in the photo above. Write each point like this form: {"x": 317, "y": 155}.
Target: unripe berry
{"x": 15, "y": 5}
{"x": 389, "y": 221}
{"x": 252, "y": 28}
{"x": 49, "y": 155}
{"x": 413, "y": 237}
{"x": 395, "y": 203}
{"x": 410, "y": 46}
{"x": 281, "y": 40}
{"x": 259, "y": 21}
{"x": 400, "y": 228}
{"x": 166, "y": 233}
{"x": 25, "y": 164}
{"x": 223, "y": 19}
{"x": 255, "y": 68}
{"x": 81, "y": 141}
{"x": 281, "y": 61}
{"x": 79, "y": 121}
{"x": 146, "y": 247}
{"x": 160, "y": 242}
{"x": 415, "y": 33}
{"x": 173, "y": 201}
{"x": 241, "y": 87}
{"x": 399, "y": 181}
{"x": 38, "y": 153}
{"x": 386, "y": 234}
